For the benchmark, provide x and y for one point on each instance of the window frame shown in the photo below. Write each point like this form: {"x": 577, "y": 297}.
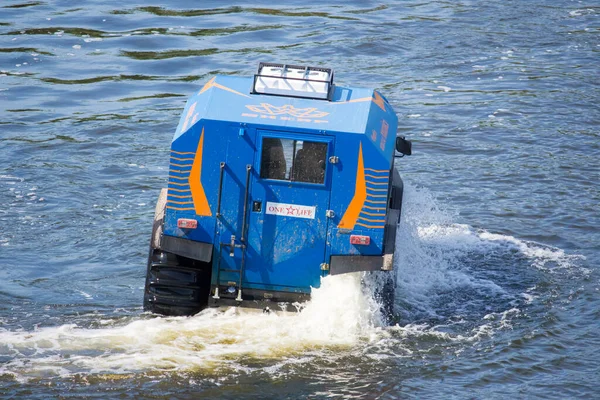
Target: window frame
{"x": 327, "y": 140}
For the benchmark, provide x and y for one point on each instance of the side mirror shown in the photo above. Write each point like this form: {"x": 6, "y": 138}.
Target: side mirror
{"x": 403, "y": 146}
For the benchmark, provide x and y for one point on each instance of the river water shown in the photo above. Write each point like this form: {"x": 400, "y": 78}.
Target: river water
{"x": 497, "y": 254}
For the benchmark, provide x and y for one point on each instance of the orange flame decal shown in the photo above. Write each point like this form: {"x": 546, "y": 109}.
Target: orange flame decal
{"x": 198, "y": 195}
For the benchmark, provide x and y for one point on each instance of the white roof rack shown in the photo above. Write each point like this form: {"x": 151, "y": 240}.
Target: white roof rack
{"x": 293, "y": 81}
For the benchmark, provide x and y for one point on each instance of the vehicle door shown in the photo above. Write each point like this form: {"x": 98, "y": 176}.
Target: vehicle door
{"x": 290, "y": 194}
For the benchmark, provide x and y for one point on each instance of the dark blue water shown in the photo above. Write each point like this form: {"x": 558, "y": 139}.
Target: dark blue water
{"x": 498, "y": 254}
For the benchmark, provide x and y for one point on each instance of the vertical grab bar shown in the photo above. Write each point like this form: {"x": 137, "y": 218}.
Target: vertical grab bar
{"x": 244, "y": 222}
{"x": 232, "y": 244}
{"x": 244, "y": 228}
{"x": 222, "y": 169}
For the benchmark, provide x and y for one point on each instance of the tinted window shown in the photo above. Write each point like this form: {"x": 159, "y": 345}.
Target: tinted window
{"x": 273, "y": 164}
{"x": 293, "y": 160}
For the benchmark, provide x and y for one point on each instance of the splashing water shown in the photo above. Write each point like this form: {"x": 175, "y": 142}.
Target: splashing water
{"x": 338, "y": 315}
{"x": 451, "y": 285}
{"x": 466, "y": 282}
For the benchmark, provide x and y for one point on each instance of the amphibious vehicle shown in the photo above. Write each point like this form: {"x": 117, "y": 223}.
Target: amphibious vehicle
{"x": 275, "y": 181}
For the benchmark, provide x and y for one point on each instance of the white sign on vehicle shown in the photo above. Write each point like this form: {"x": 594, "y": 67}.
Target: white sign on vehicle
{"x": 290, "y": 210}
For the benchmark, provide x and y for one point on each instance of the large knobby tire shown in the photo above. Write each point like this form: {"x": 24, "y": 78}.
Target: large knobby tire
{"x": 175, "y": 285}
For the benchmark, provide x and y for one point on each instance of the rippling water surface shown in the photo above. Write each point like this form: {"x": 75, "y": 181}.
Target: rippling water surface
{"x": 498, "y": 252}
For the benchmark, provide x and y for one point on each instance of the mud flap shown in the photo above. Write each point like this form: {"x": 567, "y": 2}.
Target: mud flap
{"x": 346, "y": 264}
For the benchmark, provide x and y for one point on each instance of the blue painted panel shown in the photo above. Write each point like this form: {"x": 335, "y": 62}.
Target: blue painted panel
{"x": 239, "y": 152}
{"x": 286, "y": 250}
{"x": 217, "y": 136}
{"x": 228, "y": 98}
{"x": 179, "y": 196}
{"x": 371, "y": 219}
{"x": 340, "y": 242}
{"x": 381, "y": 130}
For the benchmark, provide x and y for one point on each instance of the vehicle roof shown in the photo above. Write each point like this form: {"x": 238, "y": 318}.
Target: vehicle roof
{"x": 229, "y": 98}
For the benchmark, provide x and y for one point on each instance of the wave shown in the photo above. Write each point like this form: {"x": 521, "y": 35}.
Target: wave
{"x": 452, "y": 287}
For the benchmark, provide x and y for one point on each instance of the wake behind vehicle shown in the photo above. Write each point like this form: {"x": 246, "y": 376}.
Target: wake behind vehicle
{"x": 275, "y": 181}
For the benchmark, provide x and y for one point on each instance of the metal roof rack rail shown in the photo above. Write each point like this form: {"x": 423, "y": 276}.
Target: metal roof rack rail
{"x": 293, "y": 81}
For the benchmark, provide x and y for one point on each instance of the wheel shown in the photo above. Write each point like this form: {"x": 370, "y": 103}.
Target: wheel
{"x": 175, "y": 285}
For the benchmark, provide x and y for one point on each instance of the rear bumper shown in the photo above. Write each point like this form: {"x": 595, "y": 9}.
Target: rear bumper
{"x": 261, "y": 299}
{"x": 346, "y": 264}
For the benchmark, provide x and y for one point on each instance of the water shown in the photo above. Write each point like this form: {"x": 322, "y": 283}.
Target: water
{"x": 498, "y": 252}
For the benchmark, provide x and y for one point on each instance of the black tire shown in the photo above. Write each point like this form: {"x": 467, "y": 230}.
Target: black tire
{"x": 175, "y": 285}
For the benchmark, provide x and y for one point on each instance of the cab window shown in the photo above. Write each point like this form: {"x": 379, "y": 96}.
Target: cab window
{"x": 293, "y": 160}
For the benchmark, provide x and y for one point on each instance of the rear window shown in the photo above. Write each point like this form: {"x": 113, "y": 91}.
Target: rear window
{"x": 293, "y": 160}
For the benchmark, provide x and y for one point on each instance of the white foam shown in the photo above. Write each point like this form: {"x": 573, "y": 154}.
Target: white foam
{"x": 430, "y": 248}
{"x": 579, "y": 13}
{"x": 541, "y": 256}
{"x": 84, "y": 294}
{"x": 338, "y": 315}
{"x": 11, "y": 178}
{"x": 430, "y": 252}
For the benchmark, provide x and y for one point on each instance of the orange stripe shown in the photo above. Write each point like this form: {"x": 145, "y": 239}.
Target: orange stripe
{"x": 377, "y": 170}
{"x": 377, "y": 190}
{"x": 360, "y": 194}
{"x": 195, "y": 180}
{"x": 362, "y": 99}
{"x": 207, "y": 85}
{"x": 180, "y": 165}
{"x": 182, "y": 159}
{"x": 188, "y": 117}
{"x": 374, "y": 214}
{"x": 179, "y": 190}
{"x": 376, "y": 202}
{"x": 180, "y": 208}
{"x": 371, "y": 226}
{"x": 372, "y": 220}
{"x": 182, "y": 152}
{"x": 377, "y": 99}
{"x": 179, "y": 184}
{"x": 179, "y": 202}
{"x": 376, "y": 183}
{"x": 212, "y": 83}
{"x": 180, "y": 197}
{"x": 374, "y": 208}
{"x": 229, "y": 89}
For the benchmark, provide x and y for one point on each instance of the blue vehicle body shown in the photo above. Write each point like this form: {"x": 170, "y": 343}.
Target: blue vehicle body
{"x": 260, "y": 219}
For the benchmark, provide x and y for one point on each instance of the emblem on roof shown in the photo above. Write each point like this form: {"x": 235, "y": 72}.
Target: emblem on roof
{"x": 288, "y": 109}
